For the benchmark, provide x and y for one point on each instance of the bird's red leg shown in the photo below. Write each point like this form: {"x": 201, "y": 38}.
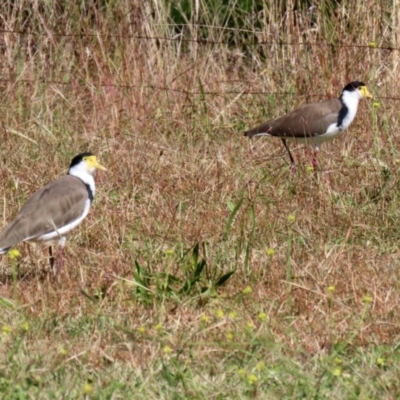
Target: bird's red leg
{"x": 314, "y": 159}
{"x": 61, "y": 244}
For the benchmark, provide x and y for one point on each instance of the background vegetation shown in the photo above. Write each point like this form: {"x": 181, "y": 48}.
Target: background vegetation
{"x": 205, "y": 268}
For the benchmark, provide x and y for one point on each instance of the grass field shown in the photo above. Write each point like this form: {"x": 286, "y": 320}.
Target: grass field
{"x": 205, "y": 269}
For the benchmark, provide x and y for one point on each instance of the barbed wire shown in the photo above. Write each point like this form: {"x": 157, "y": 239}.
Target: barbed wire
{"x": 180, "y": 91}
{"x": 179, "y": 38}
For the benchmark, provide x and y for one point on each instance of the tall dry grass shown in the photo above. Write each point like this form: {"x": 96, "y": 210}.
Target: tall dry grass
{"x": 192, "y": 222}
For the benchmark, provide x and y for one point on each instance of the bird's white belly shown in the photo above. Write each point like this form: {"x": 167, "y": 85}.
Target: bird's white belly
{"x": 332, "y": 132}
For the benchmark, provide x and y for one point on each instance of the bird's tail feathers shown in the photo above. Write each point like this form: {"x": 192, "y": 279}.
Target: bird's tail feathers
{"x": 254, "y": 133}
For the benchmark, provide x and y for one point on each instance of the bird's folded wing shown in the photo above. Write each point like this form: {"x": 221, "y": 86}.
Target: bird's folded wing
{"x": 306, "y": 121}
{"x": 55, "y": 205}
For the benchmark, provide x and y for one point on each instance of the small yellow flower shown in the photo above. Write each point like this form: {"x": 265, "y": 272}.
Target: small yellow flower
{"x": 291, "y": 218}
{"x": 250, "y": 326}
{"x": 337, "y": 360}
{"x": 25, "y": 326}
{"x": 229, "y": 336}
{"x": 337, "y": 371}
{"x": 372, "y": 45}
{"x": 88, "y": 389}
{"x": 158, "y": 328}
{"x": 380, "y": 361}
{"x": 5, "y": 330}
{"x": 62, "y": 351}
{"x": 262, "y": 316}
{"x": 309, "y": 168}
{"x": 331, "y": 289}
{"x": 167, "y": 350}
{"x": 220, "y": 313}
{"x": 260, "y": 366}
{"x": 13, "y": 254}
{"x": 141, "y": 329}
{"x": 169, "y": 252}
{"x": 367, "y": 299}
{"x": 252, "y": 379}
{"x": 205, "y": 319}
{"x": 270, "y": 252}
{"x": 232, "y": 314}
{"x": 376, "y": 104}
{"x": 247, "y": 290}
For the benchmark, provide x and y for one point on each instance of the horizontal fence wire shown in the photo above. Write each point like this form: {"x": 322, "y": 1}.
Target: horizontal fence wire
{"x": 180, "y": 38}
{"x": 180, "y": 91}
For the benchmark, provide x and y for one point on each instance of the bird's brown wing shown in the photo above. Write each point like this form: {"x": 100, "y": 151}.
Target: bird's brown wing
{"x": 307, "y": 121}
{"x": 55, "y": 205}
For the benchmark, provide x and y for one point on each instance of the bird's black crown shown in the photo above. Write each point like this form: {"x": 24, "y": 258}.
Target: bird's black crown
{"x": 77, "y": 159}
{"x": 353, "y": 86}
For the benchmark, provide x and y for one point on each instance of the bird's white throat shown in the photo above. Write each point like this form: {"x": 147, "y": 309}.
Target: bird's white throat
{"x": 81, "y": 171}
{"x": 350, "y": 100}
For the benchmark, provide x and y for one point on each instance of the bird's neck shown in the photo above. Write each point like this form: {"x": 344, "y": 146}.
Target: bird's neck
{"x": 349, "y": 108}
{"x": 87, "y": 178}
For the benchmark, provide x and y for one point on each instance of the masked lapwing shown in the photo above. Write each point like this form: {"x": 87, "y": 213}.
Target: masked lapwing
{"x": 316, "y": 123}
{"x": 54, "y": 210}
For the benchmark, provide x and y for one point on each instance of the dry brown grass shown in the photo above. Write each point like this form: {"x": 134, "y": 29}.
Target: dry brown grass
{"x": 177, "y": 164}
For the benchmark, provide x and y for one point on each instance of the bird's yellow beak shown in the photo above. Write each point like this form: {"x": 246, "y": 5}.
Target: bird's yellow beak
{"x": 365, "y": 93}
{"x": 93, "y": 163}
